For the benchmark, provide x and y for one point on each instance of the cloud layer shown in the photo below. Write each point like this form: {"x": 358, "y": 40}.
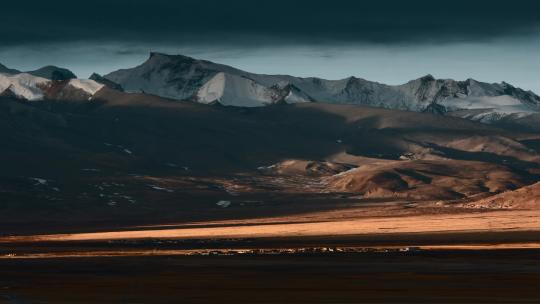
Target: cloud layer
{"x": 267, "y": 22}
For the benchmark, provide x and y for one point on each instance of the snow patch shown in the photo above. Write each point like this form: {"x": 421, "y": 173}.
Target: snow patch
{"x": 235, "y": 90}
{"x": 224, "y": 204}
{"x": 89, "y": 86}
{"x": 504, "y": 104}
{"x": 161, "y": 188}
{"x": 39, "y": 181}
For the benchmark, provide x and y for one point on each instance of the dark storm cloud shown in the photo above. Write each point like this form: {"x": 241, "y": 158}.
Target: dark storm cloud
{"x": 277, "y": 21}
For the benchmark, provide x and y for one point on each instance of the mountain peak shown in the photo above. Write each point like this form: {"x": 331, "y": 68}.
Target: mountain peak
{"x": 53, "y": 73}
{"x": 427, "y": 77}
{"x": 156, "y": 56}
{"x": 6, "y": 70}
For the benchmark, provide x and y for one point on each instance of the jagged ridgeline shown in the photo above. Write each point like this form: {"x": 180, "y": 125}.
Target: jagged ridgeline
{"x": 184, "y": 78}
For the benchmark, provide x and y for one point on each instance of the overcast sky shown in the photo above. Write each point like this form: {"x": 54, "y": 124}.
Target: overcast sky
{"x": 385, "y": 41}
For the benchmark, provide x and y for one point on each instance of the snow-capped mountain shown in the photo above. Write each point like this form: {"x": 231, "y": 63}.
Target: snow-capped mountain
{"x": 23, "y": 85}
{"x": 49, "y": 82}
{"x": 185, "y": 78}
{"x": 470, "y": 95}
{"x": 29, "y": 87}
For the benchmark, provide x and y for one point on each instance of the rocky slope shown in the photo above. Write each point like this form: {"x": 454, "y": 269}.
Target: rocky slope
{"x": 524, "y": 198}
{"x": 104, "y": 81}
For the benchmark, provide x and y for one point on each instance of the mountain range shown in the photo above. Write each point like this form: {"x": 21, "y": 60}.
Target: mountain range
{"x": 184, "y": 78}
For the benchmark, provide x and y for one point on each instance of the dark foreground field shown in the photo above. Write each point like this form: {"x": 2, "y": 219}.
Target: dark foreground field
{"x": 502, "y": 276}
{"x": 373, "y": 253}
